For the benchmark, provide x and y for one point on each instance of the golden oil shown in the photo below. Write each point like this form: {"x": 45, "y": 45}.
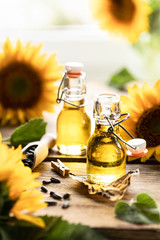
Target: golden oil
{"x": 73, "y": 129}
{"x": 73, "y": 123}
{"x": 106, "y": 158}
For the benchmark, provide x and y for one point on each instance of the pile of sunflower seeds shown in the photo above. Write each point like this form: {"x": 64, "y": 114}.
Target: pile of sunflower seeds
{"x": 28, "y": 161}
{"x": 55, "y": 195}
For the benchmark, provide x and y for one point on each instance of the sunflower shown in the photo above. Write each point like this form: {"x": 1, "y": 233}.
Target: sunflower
{"x": 26, "y": 82}
{"x": 143, "y": 104}
{"x": 126, "y": 17}
{"x": 18, "y": 194}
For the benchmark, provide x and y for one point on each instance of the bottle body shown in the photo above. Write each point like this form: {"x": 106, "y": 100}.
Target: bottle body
{"x": 73, "y": 129}
{"x": 106, "y": 158}
{"x": 73, "y": 123}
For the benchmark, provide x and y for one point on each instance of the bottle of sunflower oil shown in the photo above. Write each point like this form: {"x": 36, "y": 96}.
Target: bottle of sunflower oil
{"x": 73, "y": 123}
{"x": 106, "y": 159}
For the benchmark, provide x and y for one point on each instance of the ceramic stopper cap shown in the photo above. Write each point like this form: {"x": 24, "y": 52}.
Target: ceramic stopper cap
{"x": 139, "y": 143}
{"x": 74, "y": 67}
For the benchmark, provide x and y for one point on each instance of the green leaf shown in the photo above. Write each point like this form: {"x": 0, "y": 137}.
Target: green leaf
{"x": 154, "y": 4}
{"x": 28, "y": 132}
{"x": 143, "y": 211}
{"x": 63, "y": 230}
{"x": 144, "y": 198}
{"x": 154, "y": 19}
{"x": 4, "y": 235}
{"x": 56, "y": 228}
{"x": 120, "y": 79}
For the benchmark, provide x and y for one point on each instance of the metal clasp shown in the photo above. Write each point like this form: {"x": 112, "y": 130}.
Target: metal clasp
{"x": 111, "y": 128}
{"x": 61, "y": 93}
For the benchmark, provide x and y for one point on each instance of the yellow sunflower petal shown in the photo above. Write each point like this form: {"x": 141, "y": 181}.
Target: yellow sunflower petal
{"x": 6, "y": 174}
{"x": 35, "y": 220}
{"x": 27, "y": 77}
{"x": 136, "y": 94}
{"x": 128, "y": 18}
{"x": 127, "y": 105}
{"x": 8, "y": 46}
{"x": 149, "y": 95}
{"x": 22, "y": 184}
{"x": 26, "y": 198}
{"x": 149, "y": 154}
{"x": 143, "y": 104}
{"x": 157, "y": 153}
{"x": 21, "y": 115}
{"x": 157, "y": 90}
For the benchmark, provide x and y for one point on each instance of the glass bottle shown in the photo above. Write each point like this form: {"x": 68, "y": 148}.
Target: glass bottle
{"x": 73, "y": 123}
{"x": 106, "y": 158}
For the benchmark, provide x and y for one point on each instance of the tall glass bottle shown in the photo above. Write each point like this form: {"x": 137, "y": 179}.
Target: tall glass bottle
{"x": 106, "y": 159}
{"x": 73, "y": 123}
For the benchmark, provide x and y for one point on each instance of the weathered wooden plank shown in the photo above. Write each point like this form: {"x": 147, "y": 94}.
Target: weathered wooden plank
{"x": 124, "y": 234}
{"x": 54, "y": 155}
{"x": 96, "y": 211}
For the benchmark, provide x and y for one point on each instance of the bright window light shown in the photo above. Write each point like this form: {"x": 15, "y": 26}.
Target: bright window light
{"x": 43, "y": 14}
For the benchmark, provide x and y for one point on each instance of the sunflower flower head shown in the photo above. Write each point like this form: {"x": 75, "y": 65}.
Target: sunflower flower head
{"x": 27, "y": 82}
{"x": 126, "y": 17}
{"x": 143, "y": 104}
{"x": 18, "y": 194}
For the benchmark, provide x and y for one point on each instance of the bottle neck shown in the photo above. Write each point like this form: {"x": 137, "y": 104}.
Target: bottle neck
{"x": 78, "y": 101}
{"x": 104, "y": 127}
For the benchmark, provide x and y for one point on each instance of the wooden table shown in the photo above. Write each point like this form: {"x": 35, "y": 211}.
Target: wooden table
{"x": 96, "y": 211}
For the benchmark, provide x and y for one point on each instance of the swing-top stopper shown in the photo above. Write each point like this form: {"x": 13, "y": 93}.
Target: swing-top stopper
{"x": 139, "y": 148}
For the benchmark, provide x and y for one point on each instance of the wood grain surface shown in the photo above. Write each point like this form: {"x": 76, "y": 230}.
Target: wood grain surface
{"x": 98, "y": 212}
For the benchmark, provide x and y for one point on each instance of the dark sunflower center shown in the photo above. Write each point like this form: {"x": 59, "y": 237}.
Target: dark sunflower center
{"x": 148, "y": 127}
{"x": 20, "y": 86}
{"x": 123, "y": 10}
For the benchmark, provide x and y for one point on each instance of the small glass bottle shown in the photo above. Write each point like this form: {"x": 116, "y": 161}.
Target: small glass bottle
{"x": 73, "y": 123}
{"x": 106, "y": 158}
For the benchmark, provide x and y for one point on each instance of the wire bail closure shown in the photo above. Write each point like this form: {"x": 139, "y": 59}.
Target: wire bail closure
{"x": 61, "y": 93}
{"x": 139, "y": 150}
{"x": 111, "y": 128}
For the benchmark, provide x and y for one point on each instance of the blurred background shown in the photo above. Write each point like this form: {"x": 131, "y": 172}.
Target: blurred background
{"x": 68, "y": 28}
{"x": 118, "y": 41}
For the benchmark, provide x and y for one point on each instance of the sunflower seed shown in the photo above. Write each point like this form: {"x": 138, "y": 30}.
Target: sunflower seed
{"x": 30, "y": 155}
{"x": 56, "y": 196}
{"x": 66, "y": 196}
{"x": 65, "y": 204}
{"x": 46, "y": 182}
{"x": 30, "y": 151}
{"x": 28, "y": 160}
{"x": 33, "y": 147}
{"x": 26, "y": 164}
{"x": 51, "y": 203}
{"x": 54, "y": 180}
{"x": 44, "y": 189}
